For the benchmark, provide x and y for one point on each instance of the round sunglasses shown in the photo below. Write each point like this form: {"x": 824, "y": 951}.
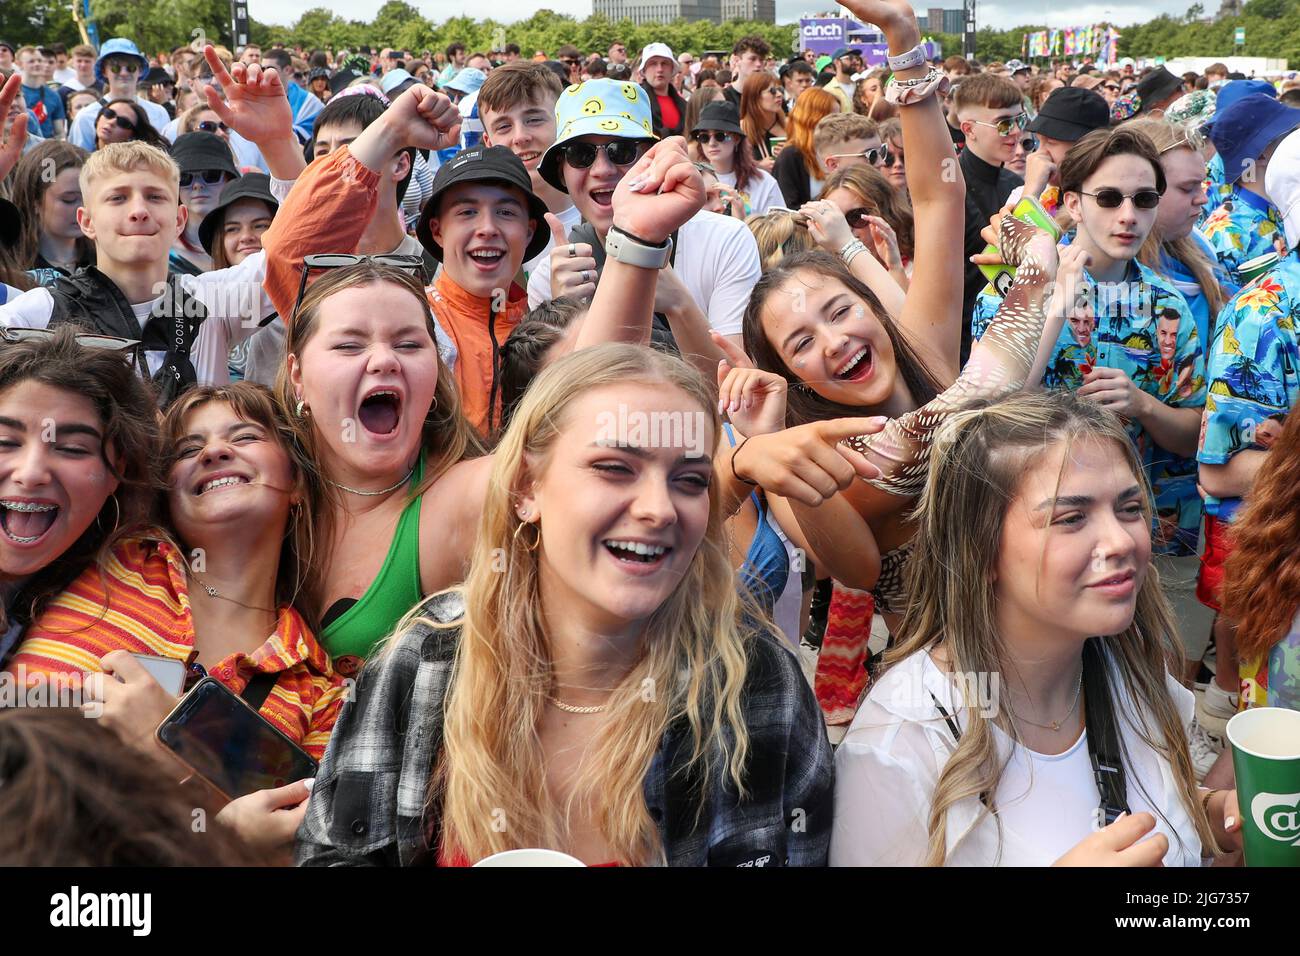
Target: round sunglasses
{"x": 712, "y": 136}
{"x": 118, "y": 119}
{"x": 210, "y": 177}
{"x": 620, "y": 152}
{"x": 1110, "y": 198}
{"x": 209, "y": 126}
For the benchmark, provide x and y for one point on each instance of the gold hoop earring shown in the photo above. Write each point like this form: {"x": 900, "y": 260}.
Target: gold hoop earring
{"x": 537, "y": 538}
{"x": 297, "y": 410}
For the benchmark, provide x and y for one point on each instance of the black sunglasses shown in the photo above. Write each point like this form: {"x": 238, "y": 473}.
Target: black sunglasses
{"x": 210, "y": 177}
{"x": 341, "y": 260}
{"x": 117, "y": 118}
{"x": 620, "y": 152}
{"x": 1109, "y": 198}
{"x": 208, "y": 126}
{"x": 880, "y": 153}
{"x": 857, "y": 218}
{"x": 712, "y": 136}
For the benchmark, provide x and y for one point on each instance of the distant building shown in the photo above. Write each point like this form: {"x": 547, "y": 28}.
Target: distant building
{"x": 939, "y": 20}
{"x": 658, "y": 11}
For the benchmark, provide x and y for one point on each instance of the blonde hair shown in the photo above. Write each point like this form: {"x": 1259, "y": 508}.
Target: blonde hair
{"x": 1168, "y": 137}
{"x": 778, "y": 234}
{"x": 447, "y": 436}
{"x": 693, "y": 654}
{"x": 129, "y": 157}
{"x": 978, "y": 459}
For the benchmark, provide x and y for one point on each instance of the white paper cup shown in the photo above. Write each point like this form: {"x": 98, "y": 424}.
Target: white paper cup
{"x": 530, "y": 858}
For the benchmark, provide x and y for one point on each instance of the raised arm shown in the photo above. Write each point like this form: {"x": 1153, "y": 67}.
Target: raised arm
{"x": 1000, "y": 363}
{"x": 932, "y": 312}
{"x": 660, "y": 193}
{"x": 257, "y": 108}
{"x": 13, "y": 138}
{"x": 331, "y": 205}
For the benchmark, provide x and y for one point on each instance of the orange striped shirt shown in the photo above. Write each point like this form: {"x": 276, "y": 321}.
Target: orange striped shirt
{"x": 138, "y": 601}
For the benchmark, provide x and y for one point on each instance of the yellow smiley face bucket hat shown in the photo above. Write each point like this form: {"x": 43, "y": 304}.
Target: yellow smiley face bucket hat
{"x": 596, "y": 108}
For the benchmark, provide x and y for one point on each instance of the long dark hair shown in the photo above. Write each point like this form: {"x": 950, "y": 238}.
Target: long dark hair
{"x": 129, "y": 417}
{"x": 804, "y": 405}
{"x": 144, "y": 131}
{"x": 33, "y": 176}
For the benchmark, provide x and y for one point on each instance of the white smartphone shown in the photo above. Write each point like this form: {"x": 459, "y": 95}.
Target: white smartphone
{"x": 167, "y": 671}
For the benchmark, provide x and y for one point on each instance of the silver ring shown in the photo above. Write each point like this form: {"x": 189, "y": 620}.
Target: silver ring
{"x": 573, "y": 250}
{"x": 583, "y": 276}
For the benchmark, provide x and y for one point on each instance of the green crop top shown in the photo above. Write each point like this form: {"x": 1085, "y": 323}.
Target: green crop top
{"x": 394, "y": 591}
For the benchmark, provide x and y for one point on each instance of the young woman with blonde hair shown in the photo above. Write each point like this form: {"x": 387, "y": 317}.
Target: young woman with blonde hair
{"x": 1037, "y": 647}
{"x": 598, "y": 686}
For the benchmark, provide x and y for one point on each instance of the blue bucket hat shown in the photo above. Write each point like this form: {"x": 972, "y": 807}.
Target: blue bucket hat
{"x": 466, "y": 80}
{"x": 118, "y": 46}
{"x": 1243, "y": 131}
{"x": 1234, "y": 90}
{"x": 596, "y": 108}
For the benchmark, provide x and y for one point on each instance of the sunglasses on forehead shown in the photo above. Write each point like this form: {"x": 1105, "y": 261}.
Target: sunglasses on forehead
{"x": 1109, "y": 198}
{"x": 341, "y": 260}
{"x": 620, "y": 152}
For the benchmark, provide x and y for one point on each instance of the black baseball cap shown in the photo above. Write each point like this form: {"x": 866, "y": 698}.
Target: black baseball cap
{"x": 157, "y": 76}
{"x": 484, "y": 164}
{"x": 1071, "y": 113}
{"x": 248, "y": 186}
{"x": 845, "y": 51}
{"x": 197, "y": 151}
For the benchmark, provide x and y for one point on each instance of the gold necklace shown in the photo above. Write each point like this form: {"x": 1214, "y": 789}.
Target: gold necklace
{"x": 214, "y": 593}
{"x": 1056, "y": 724}
{"x": 574, "y": 708}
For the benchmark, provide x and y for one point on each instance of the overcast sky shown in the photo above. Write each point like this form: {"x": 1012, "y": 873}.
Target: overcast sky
{"x": 1000, "y": 15}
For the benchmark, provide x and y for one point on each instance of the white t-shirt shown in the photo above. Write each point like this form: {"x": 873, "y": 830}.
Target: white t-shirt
{"x": 83, "y": 127}
{"x": 763, "y": 192}
{"x": 234, "y": 299}
{"x": 568, "y": 218}
{"x": 888, "y": 765}
{"x": 716, "y": 259}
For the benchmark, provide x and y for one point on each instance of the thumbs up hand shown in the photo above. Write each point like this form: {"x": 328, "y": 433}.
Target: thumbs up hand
{"x": 573, "y": 265}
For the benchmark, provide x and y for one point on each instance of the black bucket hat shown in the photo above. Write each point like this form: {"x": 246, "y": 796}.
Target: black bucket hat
{"x": 484, "y": 164}
{"x": 248, "y": 186}
{"x": 197, "y": 151}
{"x": 1156, "y": 86}
{"x": 1071, "y": 113}
{"x": 720, "y": 115}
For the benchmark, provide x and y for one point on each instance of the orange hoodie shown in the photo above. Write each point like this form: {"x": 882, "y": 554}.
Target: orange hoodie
{"x": 477, "y": 333}
{"x": 327, "y": 211}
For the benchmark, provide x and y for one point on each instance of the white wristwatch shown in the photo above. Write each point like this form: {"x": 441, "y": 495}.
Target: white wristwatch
{"x": 636, "y": 252}
{"x": 905, "y": 61}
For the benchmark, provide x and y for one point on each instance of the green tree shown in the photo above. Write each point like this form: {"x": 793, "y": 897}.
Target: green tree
{"x": 45, "y": 21}
{"x": 157, "y": 25}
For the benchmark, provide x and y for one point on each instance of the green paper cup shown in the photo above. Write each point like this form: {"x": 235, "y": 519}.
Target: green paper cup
{"x": 1252, "y": 269}
{"x": 1266, "y": 756}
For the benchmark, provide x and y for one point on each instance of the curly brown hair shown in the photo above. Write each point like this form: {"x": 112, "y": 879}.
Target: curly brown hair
{"x": 1261, "y": 577}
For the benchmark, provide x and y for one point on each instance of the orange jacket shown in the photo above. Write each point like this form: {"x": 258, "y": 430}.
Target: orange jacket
{"x": 327, "y": 210}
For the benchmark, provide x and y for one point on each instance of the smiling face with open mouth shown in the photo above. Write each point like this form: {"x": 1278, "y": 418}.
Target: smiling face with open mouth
{"x": 620, "y": 523}
{"x": 483, "y": 228}
{"x": 831, "y": 340}
{"x": 592, "y": 188}
{"x": 367, "y": 377}
{"x": 54, "y": 480}
{"x": 227, "y": 473}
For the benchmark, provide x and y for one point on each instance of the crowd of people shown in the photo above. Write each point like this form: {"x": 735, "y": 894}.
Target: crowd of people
{"x": 653, "y": 458}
